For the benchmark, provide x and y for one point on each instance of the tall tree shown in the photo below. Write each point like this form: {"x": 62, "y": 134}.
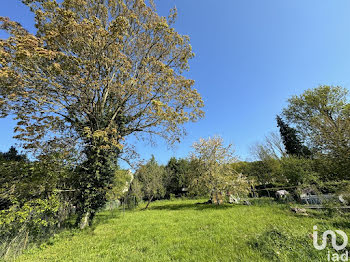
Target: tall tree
{"x": 176, "y": 178}
{"x": 96, "y": 72}
{"x": 322, "y": 116}
{"x": 291, "y": 141}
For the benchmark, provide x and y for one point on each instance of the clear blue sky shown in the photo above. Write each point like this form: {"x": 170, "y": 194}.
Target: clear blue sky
{"x": 251, "y": 55}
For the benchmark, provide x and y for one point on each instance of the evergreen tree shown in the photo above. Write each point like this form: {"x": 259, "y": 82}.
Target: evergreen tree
{"x": 176, "y": 176}
{"x": 291, "y": 141}
{"x": 12, "y": 155}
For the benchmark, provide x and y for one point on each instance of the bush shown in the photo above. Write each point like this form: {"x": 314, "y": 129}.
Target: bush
{"x": 32, "y": 206}
{"x": 344, "y": 191}
{"x": 298, "y": 170}
{"x": 23, "y": 224}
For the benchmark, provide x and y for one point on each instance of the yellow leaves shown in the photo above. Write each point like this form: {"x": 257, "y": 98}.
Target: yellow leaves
{"x": 46, "y": 53}
{"x": 80, "y": 2}
{"x": 66, "y": 13}
{"x": 133, "y": 16}
{"x": 106, "y": 140}
{"x": 119, "y": 26}
{"x": 161, "y": 26}
{"x": 100, "y": 134}
{"x": 157, "y": 103}
{"x": 31, "y": 41}
{"x": 3, "y": 56}
{"x": 87, "y": 132}
{"x": 105, "y": 147}
{"x": 4, "y": 73}
{"x": 122, "y": 21}
{"x": 12, "y": 96}
{"x": 97, "y": 54}
{"x": 141, "y": 4}
{"x": 23, "y": 54}
{"x": 52, "y": 34}
{"x": 117, "y": 145}
{"x": 49, "y": 5}
{"x": 56, "y": 68}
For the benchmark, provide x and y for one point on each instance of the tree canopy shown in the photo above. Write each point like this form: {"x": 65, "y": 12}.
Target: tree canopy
{"x": 151, "y": 176}
{"x": 322, "y": 117}
{"x": 96, "y": 72}
{"x": 102, "y": 69}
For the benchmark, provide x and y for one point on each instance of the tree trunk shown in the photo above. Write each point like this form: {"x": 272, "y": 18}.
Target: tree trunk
{"x": 149, "y": 201}
{"x": 217, "y": 198}
{"x": 85, "y": 220}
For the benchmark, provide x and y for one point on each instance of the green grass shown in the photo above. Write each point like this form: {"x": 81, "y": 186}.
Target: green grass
{"x": 183, "y": 231}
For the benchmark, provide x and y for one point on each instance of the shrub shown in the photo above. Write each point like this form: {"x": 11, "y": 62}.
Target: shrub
{"x": 35, "y": 200}
{"x": 298, "y": 171}
{"x": 23, "y": 224}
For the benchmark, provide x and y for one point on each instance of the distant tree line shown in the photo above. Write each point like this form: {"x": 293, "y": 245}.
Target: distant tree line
{"x": 311, "y": 150}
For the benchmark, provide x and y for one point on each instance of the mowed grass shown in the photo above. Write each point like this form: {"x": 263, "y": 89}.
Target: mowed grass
{"x": 180, "y": 230}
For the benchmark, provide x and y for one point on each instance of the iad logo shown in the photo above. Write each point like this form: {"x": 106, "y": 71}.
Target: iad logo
{"x": 331, "y": 233}
{"x": 333, "y": 239}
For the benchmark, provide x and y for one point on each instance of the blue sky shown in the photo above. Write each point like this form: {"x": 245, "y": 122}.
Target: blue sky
{"x": 251, "y": 55}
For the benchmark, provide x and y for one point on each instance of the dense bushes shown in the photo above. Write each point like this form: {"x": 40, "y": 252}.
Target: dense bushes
{"x": 35, "y": 199}
{"x": 298, "y": 171}
{"x": 291, "y": 172}
{"x": 22, "y": 224}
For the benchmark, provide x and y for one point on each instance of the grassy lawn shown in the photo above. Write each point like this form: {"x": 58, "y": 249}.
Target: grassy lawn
{"x": 183, "y": 231}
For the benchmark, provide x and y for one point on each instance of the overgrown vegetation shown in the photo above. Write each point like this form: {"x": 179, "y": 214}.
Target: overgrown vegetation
{"x": 181, "y": 230}
{"x": 33, "y": 206}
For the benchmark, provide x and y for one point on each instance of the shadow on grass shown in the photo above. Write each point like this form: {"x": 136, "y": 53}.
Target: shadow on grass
{"x": 193, "y": 206}
{"x": 104, "y": 217}
{"x": 343, "y": 224}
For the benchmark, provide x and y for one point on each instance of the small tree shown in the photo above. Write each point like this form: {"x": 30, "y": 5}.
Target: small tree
{"x": 120, "y": 185}
{"x": 134, "y": 195}
{"x": 213, "y": 168}
{"x": 151, "y": 178}
{"x": 264, "y": 172}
